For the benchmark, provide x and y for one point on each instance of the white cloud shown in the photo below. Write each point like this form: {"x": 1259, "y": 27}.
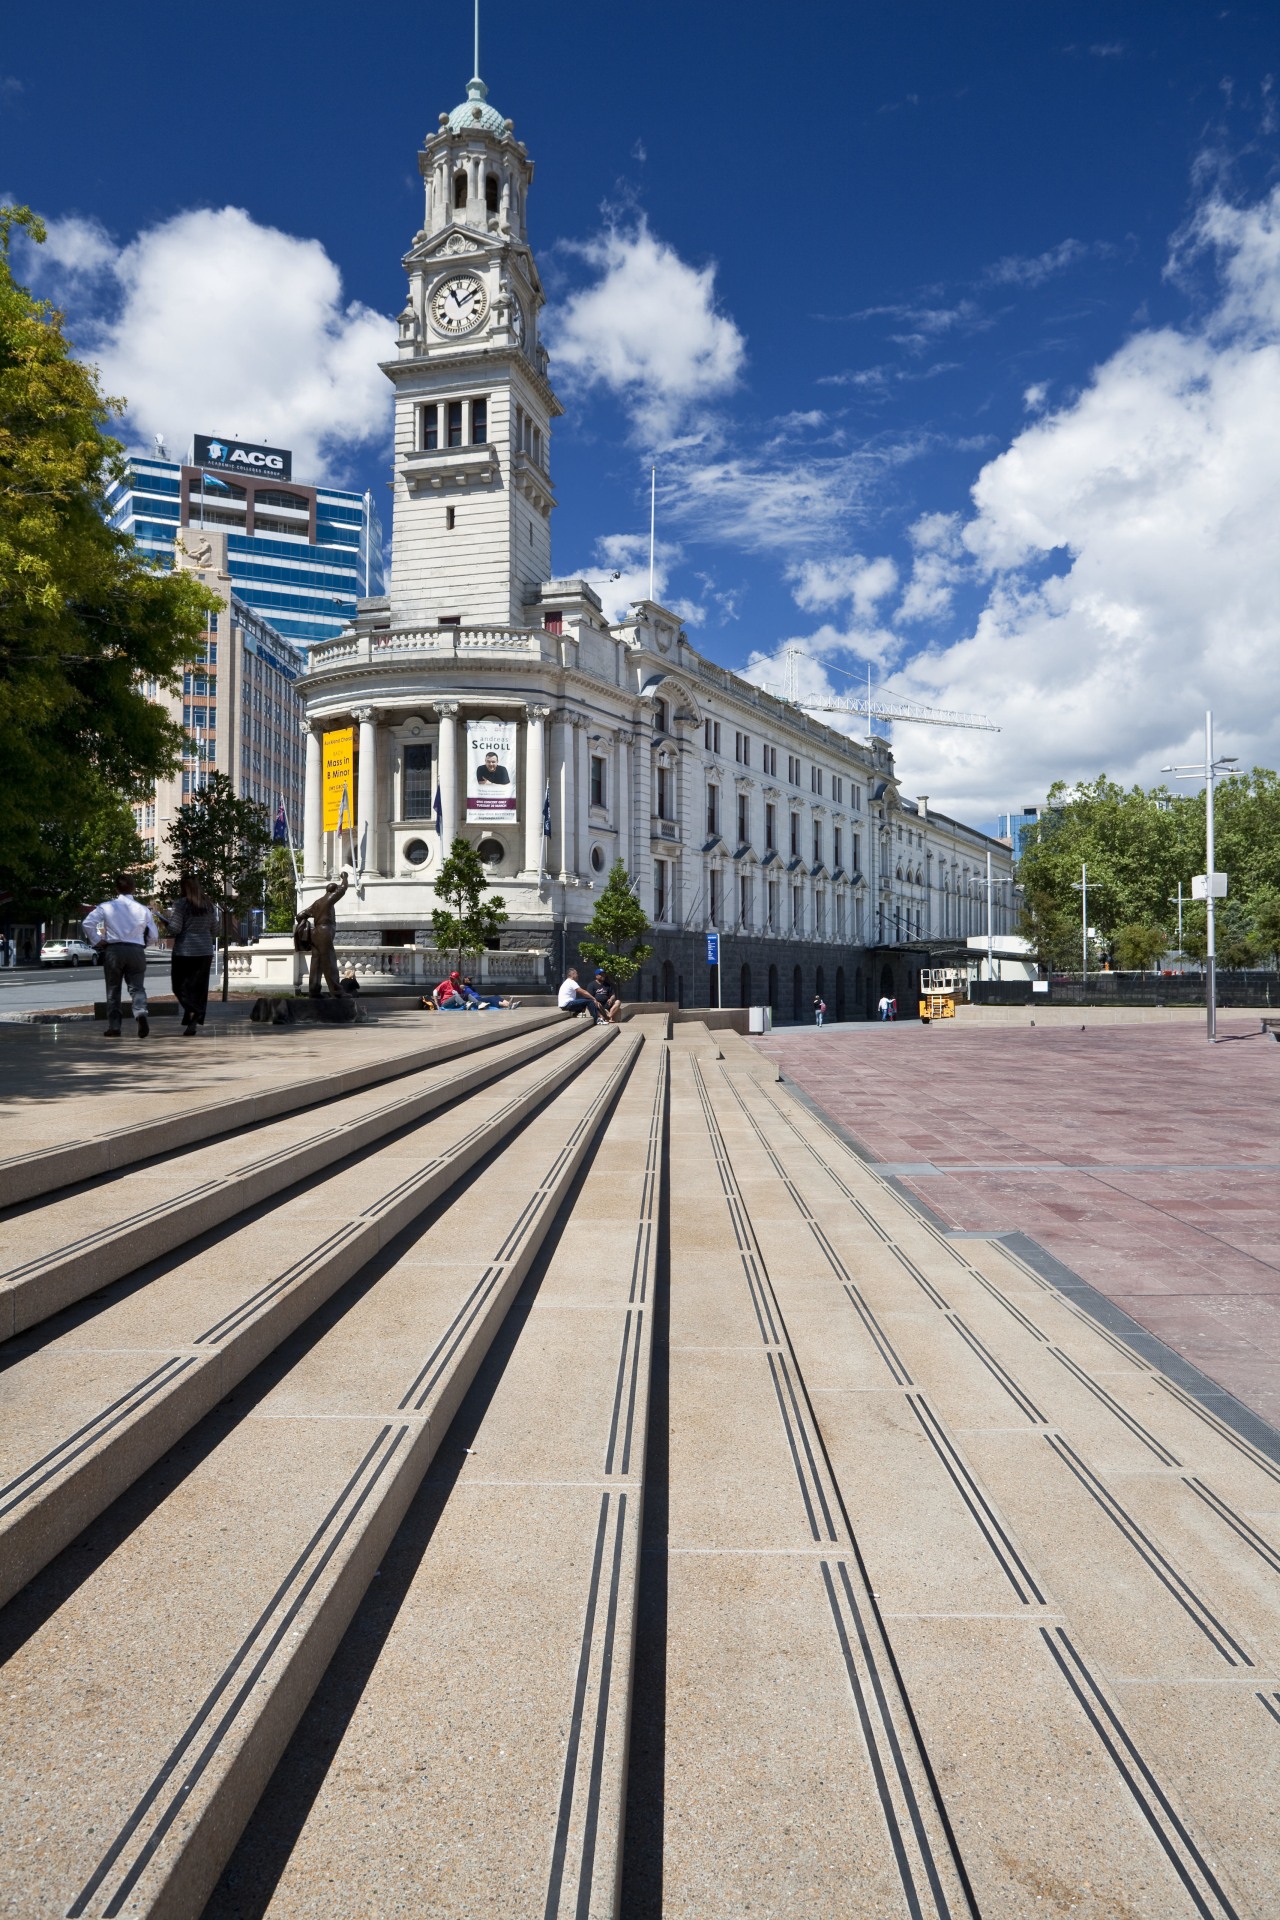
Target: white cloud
{"x": 939, "y": 564}
{"x": 647, "y": 329}
{"x": 1035, "y": 396}
{"x": 1032, "y": 270}
{"x": 211, "y": 322}
{"x": 826, "y": 583}
{"x": 1129, "y": 545}
{"x": 620, "y": 575}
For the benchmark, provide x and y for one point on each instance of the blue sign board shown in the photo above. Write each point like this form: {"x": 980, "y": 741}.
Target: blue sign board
{"x": 713, "y": 949}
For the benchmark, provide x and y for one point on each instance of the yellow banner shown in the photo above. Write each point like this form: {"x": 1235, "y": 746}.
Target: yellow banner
{"x": 339, "y": 774}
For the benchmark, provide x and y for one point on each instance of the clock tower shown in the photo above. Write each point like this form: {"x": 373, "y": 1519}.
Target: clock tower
{"x": 471, "y": 528}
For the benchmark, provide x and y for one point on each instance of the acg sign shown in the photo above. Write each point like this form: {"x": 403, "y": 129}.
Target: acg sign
{"x": 239, "y": 456}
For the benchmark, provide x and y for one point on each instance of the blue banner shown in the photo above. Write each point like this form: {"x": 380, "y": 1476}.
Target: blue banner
{"x": 713, "y": 949}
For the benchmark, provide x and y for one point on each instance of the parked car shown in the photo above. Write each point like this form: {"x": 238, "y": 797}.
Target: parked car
{"x": 69, "y": 953}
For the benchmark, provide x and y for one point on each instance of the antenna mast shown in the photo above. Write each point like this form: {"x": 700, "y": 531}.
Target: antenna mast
{"x": 653, "y": 506}
{"x": 477, "y": 66}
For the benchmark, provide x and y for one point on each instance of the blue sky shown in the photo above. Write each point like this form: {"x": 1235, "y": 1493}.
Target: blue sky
{"x": 954, "y": 331}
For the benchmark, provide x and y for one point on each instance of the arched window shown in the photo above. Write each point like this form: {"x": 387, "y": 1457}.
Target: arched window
{"x": 773, "y": 990}
{"x": 459, "y": 189}
{"x": 744, "y": 987}
{"x": 839, "y": 993}
{"x": 492, "y": 188}
{"x": 797, "y": 995}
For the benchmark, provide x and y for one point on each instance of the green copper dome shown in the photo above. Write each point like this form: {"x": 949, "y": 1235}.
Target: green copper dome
{"x": 475, "y": 112}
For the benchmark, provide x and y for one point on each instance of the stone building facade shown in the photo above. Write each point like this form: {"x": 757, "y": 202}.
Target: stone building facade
{"x": 730, "y": 807}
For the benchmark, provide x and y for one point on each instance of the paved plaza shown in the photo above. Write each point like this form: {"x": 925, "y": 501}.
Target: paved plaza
{"x": 502, "y": 1466}
{"x": 1142, "y": 1158}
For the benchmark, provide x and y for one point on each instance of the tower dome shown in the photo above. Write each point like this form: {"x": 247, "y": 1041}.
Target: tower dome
{"x": 475, "y": 113}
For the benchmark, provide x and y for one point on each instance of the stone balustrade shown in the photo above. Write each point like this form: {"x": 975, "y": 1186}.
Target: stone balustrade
{"x": 272, "y": 962}
{"x": 369, "y": 648}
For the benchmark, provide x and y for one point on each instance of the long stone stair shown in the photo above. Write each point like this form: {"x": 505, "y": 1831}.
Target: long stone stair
{"x": 532, "y": 1471}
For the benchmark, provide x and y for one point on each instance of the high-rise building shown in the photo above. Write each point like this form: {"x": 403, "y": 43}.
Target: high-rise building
{"x": 300, "y": 555}
{"x": 239, "y": 704}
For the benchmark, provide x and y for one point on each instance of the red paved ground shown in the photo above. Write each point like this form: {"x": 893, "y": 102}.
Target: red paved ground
{"x": 1140, "y": 1156}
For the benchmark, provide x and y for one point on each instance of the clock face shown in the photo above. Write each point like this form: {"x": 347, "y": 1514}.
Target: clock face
{"x": 517, "y": 322}
{"x": 458, "y": 304}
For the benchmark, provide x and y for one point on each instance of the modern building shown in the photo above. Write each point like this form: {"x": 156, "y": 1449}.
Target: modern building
{"x": 240, "y": 704}
{"x": 484, "y": 696}
{"x": 301, "y": 556}
{"x": 1015, "y": 827}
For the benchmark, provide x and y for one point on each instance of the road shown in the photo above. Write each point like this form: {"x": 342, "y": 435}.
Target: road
{"x": 47, "y": 989}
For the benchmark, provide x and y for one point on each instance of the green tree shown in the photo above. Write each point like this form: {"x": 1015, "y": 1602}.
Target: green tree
{"x": 465, "y": 922}
{"x": 1266, "y": 925}
{"x": 615, "y": 933}
{"x": 223, "y": 841}
{"x": 281, "y": 891}
{"x": 1137, "y": 946}
{"x": 77, "y": 861}
{"x": 86, "y": 625}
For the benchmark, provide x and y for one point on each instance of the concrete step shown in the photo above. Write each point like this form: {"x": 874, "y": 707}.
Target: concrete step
{"x": 265, "y": 1087}
{"x": 492, "y": 1661}
{"x": 74, "y": 1244}
{"x": 89, "y": 1406}
{"x": 1077, "y": 1571}
{"x": 149, "y": 1751}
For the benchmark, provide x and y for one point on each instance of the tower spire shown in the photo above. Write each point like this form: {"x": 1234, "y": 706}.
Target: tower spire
{"x": 476, "y": 68}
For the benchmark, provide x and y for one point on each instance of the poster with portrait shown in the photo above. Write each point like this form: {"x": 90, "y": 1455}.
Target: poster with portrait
{"x": 491, "y": 773}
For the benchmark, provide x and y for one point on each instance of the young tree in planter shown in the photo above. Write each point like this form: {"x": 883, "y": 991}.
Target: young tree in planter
{"x": 465, "y": 923}
{"x": 281, "y": 891}
{"x": 1138, "y": 946}
{"x": 223, "y": 841}
{"x": 615, "y": 933}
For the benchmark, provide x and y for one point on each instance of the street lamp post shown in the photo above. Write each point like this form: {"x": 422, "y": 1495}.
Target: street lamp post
{"x": 1178, "y": 897}
{"x": 1081, "y": 886}
{"x": 1211, "y": 770}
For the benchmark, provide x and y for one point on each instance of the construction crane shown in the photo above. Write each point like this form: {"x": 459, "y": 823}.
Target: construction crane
{"x": 876, "y": 709}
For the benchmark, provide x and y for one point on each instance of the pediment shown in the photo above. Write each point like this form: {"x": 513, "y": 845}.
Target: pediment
{"x": 455, "y": 243}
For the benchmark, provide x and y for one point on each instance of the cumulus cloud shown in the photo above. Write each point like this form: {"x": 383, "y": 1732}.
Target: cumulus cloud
{"x": 938, "y": 564}
{"x": 212, "y": 322}
{"x": 620, "y": 575}
{"x": 647, "y": 329}
{"x": 861, "y": 582}
{"x": 1128, "y": 546}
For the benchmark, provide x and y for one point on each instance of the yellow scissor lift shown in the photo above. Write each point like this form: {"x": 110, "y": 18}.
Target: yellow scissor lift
{"x": 940, "y": 988}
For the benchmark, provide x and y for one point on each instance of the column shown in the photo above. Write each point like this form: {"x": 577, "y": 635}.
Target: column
{"x": 312, "y": 806}
{"x": 535, "y": 783}
{"x": 448, "y": 776}
{"x": 567, "y": 824}
{"x": 367, "y": 790}
{"x": 582, "y": 787}
{"x": 641, "y": 803}
{"x": 622, "y": 800}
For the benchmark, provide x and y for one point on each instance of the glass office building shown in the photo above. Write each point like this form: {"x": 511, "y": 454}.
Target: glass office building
{"x": 301, "y": 556}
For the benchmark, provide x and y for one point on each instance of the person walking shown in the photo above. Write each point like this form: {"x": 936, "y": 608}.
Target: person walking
{"x": 123, "y": 928}
{"x": 883, "y": 1006}
{"x": 324, "y": 926}
{"x": 819, "y": 1009}
{"x": 193, "y": 922}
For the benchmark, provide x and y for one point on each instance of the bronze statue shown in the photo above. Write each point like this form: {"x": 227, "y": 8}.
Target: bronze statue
{"x": 322, "y": 930}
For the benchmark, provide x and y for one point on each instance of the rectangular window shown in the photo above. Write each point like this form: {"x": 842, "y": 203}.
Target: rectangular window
{"x": 713, "y": 809}
{"x": 773, "y": 907}
{"x": 821, "y": 913}
{"x": 450, "y": 519}
{"x": 450, "y": 619}
{"x": 817, "y": 843}
{"x": 597, "y": 781}
{"x": 770, "y": 827}
{"x": 839, "y": 916}
{"x": 837, "y": 845}
{"x": 711, "y": 735}
{"x": 742, "y": 749}
{"x": 744, "y": 900}
{"x": 659, "y": 889}
{"x": 769, "y": 761}
{"x": 793, "y": 770}
{"x": 837, "y": 789}
{"x": 553, "y": 622}
{"x": 713, "y": 881}
{"x": 455, "y": 423}
{"x": 415, "y": 803}
{"x": 429, "y": 428}
{"x": 856, "y": 853}
{"x": 479, "y": 422}
{"x": 664, "y": 793}
{"x": 744, "y": 827}
{"x": 795, "y": 836}
{"x": 661, "y": 716}
{"x": 797, "y": 910}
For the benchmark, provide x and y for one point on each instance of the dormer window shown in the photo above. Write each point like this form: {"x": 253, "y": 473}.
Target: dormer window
{"x": 459, "y": 190}
{"x": 492, "y": 189}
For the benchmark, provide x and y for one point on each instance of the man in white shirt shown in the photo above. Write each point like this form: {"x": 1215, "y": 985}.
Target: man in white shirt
{"x": 575, "y": 999}
{"x": 122, "y": 929}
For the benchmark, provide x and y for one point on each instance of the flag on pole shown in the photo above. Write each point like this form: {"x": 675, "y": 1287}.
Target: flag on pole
{"x": 438, "y": 810}
{"x": 546, "y": 813}
{"x": 280, "y": 827}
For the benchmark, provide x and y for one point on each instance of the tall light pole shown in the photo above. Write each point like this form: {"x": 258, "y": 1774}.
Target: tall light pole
{"x": 1211, "y": 770}
{"x": 1081, "y": 886}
